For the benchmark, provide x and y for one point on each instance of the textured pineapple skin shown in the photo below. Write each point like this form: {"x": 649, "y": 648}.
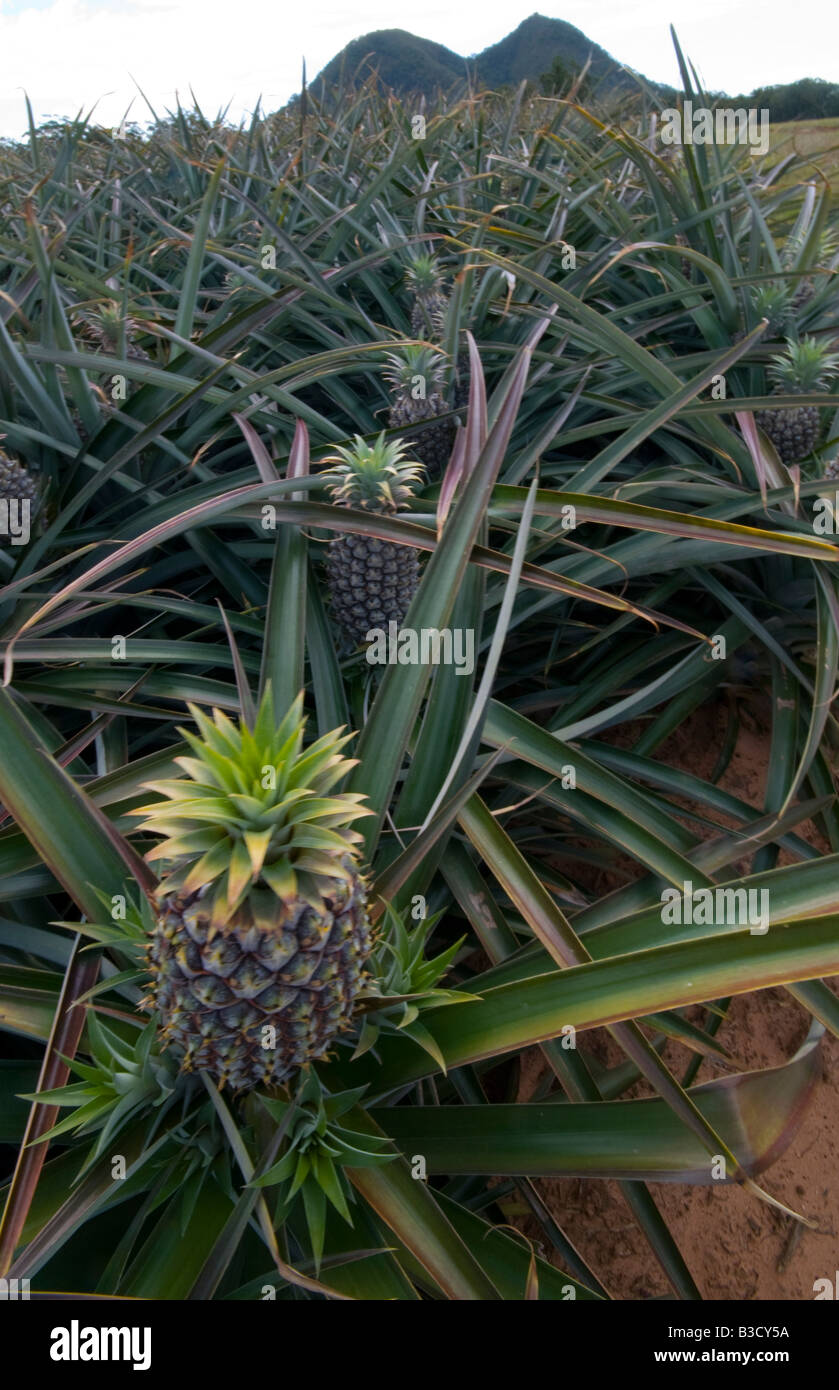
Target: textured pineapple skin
{"x": 794, "y": 431}
{"x": 215, "y": 991}
{"x": 16, "y": 482}
{"x": 428, "y": 314}
{"x": 432, "y": 445}
{"x": 371, "y": 583}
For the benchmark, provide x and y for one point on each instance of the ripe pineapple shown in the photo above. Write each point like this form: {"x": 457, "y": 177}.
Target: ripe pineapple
{"x": 372, "y": 581}
{"x": 806, "y": 366}
{"x": 430, "y": 299}
{"x": 262, "y": 921}
{"x": 415, "y": 379}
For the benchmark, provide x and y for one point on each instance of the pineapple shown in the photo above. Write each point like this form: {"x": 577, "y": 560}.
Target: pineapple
{"x": 804, "y": 288}
{"x": 415, "y": 379}
{"x": 372, "y": 581}
{"x": 430, "y": 299}
{"x": 832, "y": 469}
{"x": 806, "y": 366}
{"x": 262, "y": 931}
{"x": 106, "y": 327}
{"x": 774, "y": 302}
{"x": 16, "y": 482}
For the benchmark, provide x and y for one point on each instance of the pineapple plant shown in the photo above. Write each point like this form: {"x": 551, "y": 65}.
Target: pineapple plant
{"x": 430, "y": 299}
{"x": 372, "y": 581}
{"x": 259, "y": 947}
{"x": 804, "y": 367}
{"x": 416, "y": 383}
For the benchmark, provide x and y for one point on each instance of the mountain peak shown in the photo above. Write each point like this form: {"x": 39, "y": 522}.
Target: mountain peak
{"x": 410, "y": 64}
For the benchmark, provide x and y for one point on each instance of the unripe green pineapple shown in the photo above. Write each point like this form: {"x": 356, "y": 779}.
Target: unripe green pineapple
{"x": 259, "y": 948}
{"x": 804, "y": 287}
{"x": 372, "y": 581}
{"x": 430, "y": 299}
{"x": 804, "y": 367}
{"x": 107, "y": 329}
{"x": 773, "y": 301}
{"x": 415, "y": 378}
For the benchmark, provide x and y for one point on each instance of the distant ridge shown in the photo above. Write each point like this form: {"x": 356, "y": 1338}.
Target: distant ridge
{"x": 411, "y": 64}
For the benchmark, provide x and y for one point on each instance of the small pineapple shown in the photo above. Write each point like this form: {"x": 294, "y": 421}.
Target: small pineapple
{"x": 416, "y": 384}
{"x": 16, "y": 482}
{"x": 108, "y": 331}
{"x": 372, "y": 581}
{"x": 259, "y": 947}
{"x": 774, "y": 302}
{"x": 430, "y": 299}
{"x": 832, "y": 469}
{"x": 106, "y": 327}
{"x": 804, "y": 287}
{"x": 804, "y": 367}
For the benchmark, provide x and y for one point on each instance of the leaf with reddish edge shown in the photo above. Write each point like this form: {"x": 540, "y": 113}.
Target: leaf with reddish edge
{"x": 63, "y": 1040}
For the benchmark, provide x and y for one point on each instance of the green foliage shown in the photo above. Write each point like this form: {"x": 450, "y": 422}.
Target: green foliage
{"x": 196, "y": 324}
{"x": 405, "y": 985}
{"x": 316, "y": 1150}
{"x": 808, "y": 99}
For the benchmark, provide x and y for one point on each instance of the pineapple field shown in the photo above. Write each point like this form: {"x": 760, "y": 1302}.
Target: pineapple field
{"x": 405, "y": 519}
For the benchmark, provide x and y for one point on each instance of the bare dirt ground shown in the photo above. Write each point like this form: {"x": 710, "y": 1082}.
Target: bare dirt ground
{"x": 736, "y": 1246}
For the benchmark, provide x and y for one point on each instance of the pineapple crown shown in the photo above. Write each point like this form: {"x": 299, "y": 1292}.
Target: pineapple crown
{"x": 375, "y": 477}
{"x": 805, "y": 366}
{"x": 106, "y": 323}
{"x": 411, "y": 362}
{"x": 827, "y": 247}
{"x": 772, "y": 302}
{"x": 422, "y": 275}
{"x": 253, "y": 816}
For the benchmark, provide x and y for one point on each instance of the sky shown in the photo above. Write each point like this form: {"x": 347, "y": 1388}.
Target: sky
{"x": 68, "y": 55}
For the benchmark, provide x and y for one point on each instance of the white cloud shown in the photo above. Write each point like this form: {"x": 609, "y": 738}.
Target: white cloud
{"x": 72, "y": 54}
